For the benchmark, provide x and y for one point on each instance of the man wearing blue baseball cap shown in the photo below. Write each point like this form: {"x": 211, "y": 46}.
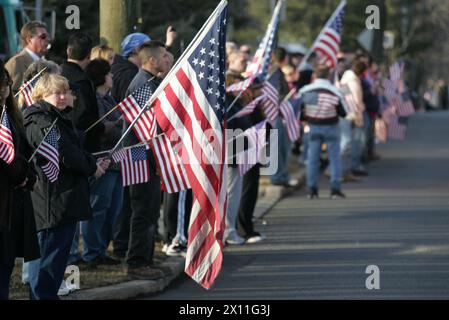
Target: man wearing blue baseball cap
{"x": 123, "y": 69}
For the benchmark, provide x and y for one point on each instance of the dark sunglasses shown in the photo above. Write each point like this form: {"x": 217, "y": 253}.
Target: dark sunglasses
{"x": 44, "y": 36}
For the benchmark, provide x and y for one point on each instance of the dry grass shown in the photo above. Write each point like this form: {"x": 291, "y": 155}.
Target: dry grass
{"x": 100, "y": 277}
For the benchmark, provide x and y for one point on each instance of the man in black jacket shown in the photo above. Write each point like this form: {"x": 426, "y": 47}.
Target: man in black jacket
{"x": 85, "y": 111}
{"x": 145, "y": 197}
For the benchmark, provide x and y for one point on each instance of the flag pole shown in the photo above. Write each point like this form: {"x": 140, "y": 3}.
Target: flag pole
{"x": 35, "y": 151}
{"x": 22, "y": 87}
{"x": 332, "y": 17}
{"x": 171, "y": 72}
{"x": 109, "y": 112}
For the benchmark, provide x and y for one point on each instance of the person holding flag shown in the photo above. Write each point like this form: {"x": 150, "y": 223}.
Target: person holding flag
{"x": 145, "y": 197}
{"x": 61, "y": 196}
{"x": 17, "y": 177}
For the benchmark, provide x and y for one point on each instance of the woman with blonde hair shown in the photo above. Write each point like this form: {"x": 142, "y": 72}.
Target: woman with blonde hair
{"x": 59, "y": 204}
{"x": 104, "y": 52}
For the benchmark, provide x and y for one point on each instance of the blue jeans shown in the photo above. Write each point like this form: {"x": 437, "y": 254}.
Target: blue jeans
{"x": 106, "y": 198}
{"x": 55, "y": 249}
{"x": 305, "y": 148}
{"x": 282, "y": 175}
{"x": 345, "y": 145}
{"x": 319, "y": 134}
{"x": 359, "y": 144}
{"x": 5, "y": 278}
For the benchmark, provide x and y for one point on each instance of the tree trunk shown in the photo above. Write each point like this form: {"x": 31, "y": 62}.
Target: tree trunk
{"x": 118, "y": 18}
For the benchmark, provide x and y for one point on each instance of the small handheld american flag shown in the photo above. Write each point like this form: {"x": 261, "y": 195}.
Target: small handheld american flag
{"x": 133, "y": 165}
{"x": 26, "y": 90}
{"x": 7, "y": 152}
{"x": 145, "y": 128}
{"x": 49, "y": 151}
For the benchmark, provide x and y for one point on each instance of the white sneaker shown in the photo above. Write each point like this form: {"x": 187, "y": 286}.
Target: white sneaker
{"x": 255, "y": 238}
{"x": 235, "y": 239}
{"x": 165, "y": 247}
{"x": 176, "y": 250}
{"x": 65, "y": 288}
{"x": 293, "y": 182}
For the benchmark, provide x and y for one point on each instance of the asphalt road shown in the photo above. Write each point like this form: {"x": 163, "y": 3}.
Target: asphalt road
{"x": 396, "y": 219}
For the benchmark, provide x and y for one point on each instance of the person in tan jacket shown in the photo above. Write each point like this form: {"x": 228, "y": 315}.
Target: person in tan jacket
{"x": 35, "y": 40}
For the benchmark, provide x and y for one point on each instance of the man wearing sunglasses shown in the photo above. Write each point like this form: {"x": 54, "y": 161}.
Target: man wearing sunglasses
{"x": 35, "y": 41}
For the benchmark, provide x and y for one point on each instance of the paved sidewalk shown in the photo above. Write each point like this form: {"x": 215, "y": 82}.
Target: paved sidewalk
{"x": 269, "y": 195}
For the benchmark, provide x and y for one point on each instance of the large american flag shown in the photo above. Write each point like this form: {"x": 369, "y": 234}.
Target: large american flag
{"x": 256, "y": 142}
{"x": 172, "y": 172}
{"x": 133, "y": 165}
{"x": 26, "y": 90}
{"x": 191, "y": 103}
{"x": 49, "y": 150}
{"x": 327, "y": 44}
{"x": 7, "y": 152}
{"x": 145, "y": 128}
{"x": 258, "y": 68}
{"x": 290, "y": 111}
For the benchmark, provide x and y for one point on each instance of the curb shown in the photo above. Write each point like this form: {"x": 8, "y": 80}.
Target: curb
{"x": 269, "y": 196}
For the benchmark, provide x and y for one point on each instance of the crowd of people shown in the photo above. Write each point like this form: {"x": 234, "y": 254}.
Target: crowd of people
{"x": 42, "y": 220}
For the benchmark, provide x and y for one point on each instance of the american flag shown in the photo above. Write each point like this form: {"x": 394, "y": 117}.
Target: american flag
{"x": 257, "y": 140}
{"x": 270, "y": 101}
{"x": 389, "y": 88}
{"x": 27, "y": 88}
{"x": 396, "y": 130}
{"x": 258, "y": 68}
{"x": 172, "y": 171}
{"x": 7, "y": 152}
{"x": 396, "y": 71}
{"x": 405, "y": 106}
{"x": 290, "y": 111}
{"x": 351, "y": 104}
{"x": 145, "y": 128}
{"x": 49, "y": 150}
{"x": 133, "y": 165}
{"x": 192, "y": 105}
{"x": 327, "y": 44}
{"x": 249, "y": 108}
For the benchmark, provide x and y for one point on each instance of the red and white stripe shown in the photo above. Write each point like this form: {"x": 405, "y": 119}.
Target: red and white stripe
{"x": 240, "y": 86}
{"x": 26, "y": 93}
{"x": 183, "y": 108}
{"x": 7, "y": 152}
{"x": 134, "y": 172}
{"x": 51, "y": 169}
{"x": 172, "y": 171}
{"x": 291, "y": 121}
{"x": 396, "y": 130}
{"x": 145, "y": 128}
{"x": 270, "y": 101}
{"x": 328, "y": 45}
{"x": 249, "y": 108}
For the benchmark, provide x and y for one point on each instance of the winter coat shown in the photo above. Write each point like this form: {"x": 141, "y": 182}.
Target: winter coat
{"x": 85, "y": 111}
{"x": 18, "y": 236}
{"x": 66, "y": 200}
{"x": 123, "y": 72}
